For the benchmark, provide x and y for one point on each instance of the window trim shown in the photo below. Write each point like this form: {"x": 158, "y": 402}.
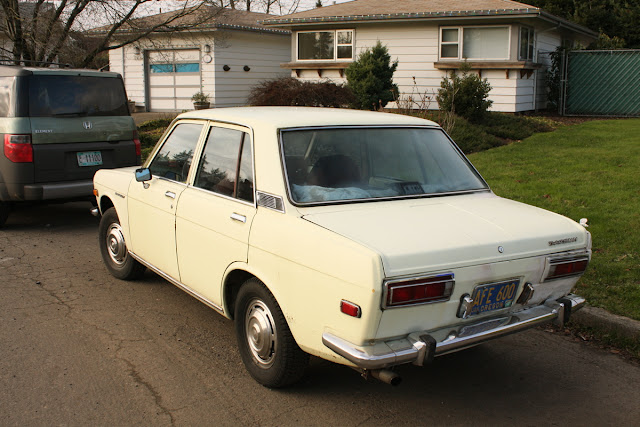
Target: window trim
{"x": 460, "y": 42}
{"x": 248, "y": 131}
{"x": 531, "y": 34}
{"x": 335, "y": 45}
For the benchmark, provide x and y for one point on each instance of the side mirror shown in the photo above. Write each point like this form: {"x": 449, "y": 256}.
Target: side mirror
{"x": 143, "y": 174}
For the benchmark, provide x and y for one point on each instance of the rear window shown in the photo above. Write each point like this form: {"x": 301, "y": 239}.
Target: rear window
{"x": 76, "y": 96}
{"x": 348, "y": 164}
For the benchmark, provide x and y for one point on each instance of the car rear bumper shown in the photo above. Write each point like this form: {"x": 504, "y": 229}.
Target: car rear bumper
{"x": 420, "y": 347}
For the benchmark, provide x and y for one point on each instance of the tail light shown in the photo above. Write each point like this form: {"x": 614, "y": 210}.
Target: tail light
{"x": 18, "y": 149}
{"x": 136, "y": 142}
{"x": 559, "y": 268}
{"x": 421, "y": 290}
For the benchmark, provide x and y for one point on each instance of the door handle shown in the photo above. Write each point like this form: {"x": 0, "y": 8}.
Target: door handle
{"x": 170, "y": 194}
{"x": 238, "y": 217}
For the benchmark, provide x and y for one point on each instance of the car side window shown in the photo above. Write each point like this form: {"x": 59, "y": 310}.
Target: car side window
{"x": 174, "y": 158}
{"x": 226, "y": 166}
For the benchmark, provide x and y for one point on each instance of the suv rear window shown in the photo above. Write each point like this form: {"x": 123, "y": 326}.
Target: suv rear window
{"x": 76, "y": 96}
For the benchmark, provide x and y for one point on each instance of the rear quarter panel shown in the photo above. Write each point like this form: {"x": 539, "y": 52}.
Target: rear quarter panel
{"x": 309, "y": 270}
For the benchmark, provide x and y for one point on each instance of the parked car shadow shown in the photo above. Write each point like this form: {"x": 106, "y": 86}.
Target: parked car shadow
{"x": 59, "y": 216}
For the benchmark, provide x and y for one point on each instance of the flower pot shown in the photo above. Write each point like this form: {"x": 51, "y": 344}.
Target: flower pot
{"x": 201, "y": 105}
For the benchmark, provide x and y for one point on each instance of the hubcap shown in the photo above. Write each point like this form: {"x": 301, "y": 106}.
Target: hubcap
{"x": 261, "y": 333}
{"x": 115, "y": 244}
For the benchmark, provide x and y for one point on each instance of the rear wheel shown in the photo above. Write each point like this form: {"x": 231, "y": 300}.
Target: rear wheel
{"x": 5, "y": 207}
{"x": 268, "y": 349}
{"x": 114, "y": 249}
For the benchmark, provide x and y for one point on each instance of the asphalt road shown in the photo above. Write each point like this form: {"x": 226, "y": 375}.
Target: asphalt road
{"x": 78, "y": 347}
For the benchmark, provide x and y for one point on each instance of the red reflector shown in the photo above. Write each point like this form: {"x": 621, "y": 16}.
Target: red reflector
{"x": 136, "y": 142}
{"x": 18, "y": 149}
{"x": 416, "y": 291}
{"x": 568, "y": 268}
{"x": 350, "y": 308}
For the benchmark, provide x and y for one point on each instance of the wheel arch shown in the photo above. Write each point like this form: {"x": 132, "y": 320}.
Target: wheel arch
{"x": 105, "y": 203}
{"x": 232, "y": 283}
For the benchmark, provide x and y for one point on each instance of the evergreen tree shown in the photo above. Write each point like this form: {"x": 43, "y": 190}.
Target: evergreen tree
{"x": 370, "y": 78}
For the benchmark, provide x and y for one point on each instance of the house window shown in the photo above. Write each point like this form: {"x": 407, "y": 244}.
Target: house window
{"x": 325, "y": 45}
{"x": 479, "y": 43}
{"x": 526, "y": 52}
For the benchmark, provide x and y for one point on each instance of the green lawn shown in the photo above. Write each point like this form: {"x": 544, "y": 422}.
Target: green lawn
{"x": 590, "y": 170}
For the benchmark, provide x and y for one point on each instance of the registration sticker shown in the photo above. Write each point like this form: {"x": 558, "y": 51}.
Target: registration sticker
{"x": 493, "y": 296}
{"x": 89, "y": 158}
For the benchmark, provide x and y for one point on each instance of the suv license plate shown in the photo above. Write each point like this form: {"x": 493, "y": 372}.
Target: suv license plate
{"x": 493, "y": 296}
{"x": 89, "y": 158}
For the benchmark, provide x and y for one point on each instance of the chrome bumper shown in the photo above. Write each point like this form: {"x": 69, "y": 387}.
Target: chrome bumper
{"x": 420, "y": 347}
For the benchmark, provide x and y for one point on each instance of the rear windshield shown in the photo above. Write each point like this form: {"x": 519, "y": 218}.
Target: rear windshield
{"x": 76, "y": 96}
{"x": 350, "y": 164}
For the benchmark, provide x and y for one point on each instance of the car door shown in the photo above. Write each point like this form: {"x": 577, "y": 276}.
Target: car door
{"x": 152, "y": 204}
{"x": 214, "y": 214}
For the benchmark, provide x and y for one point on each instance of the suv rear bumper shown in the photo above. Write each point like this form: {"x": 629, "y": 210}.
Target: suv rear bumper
{"x": 58, "y": 190}
{"x": 420, "y": 347}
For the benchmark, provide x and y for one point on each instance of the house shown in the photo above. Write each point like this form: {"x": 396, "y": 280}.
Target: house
{"x": 504, "y": 41}
{"x": 223, "y": 57}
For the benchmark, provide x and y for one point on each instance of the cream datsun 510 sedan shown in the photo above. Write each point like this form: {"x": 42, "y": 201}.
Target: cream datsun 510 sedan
{"x": 367, "y": 239}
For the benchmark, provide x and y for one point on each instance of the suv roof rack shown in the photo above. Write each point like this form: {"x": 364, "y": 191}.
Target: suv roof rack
{"x": 28, "y": 62}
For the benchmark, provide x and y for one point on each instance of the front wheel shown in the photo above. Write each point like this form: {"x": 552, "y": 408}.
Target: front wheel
{"x": 114, "y": 249}
{"x": 268, "y": 349}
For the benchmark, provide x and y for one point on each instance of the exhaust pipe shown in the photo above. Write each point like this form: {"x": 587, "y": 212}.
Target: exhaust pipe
{"x": 386, "y": 376}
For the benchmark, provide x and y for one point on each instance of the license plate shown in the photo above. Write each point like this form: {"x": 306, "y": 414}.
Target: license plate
{"x": 89, "y": 158}
{"x": 493, "y": 296}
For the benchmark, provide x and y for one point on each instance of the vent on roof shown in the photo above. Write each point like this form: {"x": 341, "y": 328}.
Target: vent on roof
{"x": 271, "y": 202}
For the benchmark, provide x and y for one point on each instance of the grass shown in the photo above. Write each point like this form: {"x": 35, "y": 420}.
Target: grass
{"x": 589, "y": 171}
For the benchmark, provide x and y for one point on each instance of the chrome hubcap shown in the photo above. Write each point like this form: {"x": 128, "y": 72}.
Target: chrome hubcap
{"x": 115, "y": 244}
{"x": 261, "y": 333}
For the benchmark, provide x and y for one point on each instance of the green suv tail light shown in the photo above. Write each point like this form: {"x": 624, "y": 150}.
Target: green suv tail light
{"x": 18, "y": 149}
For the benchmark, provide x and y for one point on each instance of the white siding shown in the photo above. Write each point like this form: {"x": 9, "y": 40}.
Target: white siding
{"x": 415, "y": 46}
{"x": 262, "y": 53}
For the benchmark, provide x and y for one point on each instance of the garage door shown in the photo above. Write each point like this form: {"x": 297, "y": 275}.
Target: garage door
{"x": 173, "y": 77}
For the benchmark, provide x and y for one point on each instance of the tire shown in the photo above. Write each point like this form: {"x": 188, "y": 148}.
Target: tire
{"x": 268, "y": 349}
{"x": 5, "y": 208}
{"x": 114, "y": 249}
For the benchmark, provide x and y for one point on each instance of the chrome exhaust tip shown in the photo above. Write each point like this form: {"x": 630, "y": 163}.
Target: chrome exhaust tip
{"x": 386, "y": 376}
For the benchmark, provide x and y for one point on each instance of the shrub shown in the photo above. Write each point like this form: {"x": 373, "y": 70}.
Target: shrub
{"x": 293, "y": 92}
{"x": 465, "y": 95}
{"x": 370, "y": 78}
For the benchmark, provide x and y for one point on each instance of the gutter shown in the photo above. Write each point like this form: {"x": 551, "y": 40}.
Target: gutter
{"x": 518, "y": 13}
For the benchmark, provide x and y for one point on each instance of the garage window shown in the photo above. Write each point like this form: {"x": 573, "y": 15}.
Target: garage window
{"x": 192, "y": 67}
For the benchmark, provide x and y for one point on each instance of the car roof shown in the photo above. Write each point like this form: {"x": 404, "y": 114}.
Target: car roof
{"x": 291, "y": 117}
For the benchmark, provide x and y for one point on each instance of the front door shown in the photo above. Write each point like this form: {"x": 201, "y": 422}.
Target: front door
{"x": 152, "y": 205}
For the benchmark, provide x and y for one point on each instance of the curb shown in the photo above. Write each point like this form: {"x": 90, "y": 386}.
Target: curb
{"x": 599, "y": 318}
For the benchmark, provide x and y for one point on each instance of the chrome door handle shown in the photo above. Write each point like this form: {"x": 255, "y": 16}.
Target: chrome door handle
{"x": 238, "y": 217}
{"x": 170, "y": 194}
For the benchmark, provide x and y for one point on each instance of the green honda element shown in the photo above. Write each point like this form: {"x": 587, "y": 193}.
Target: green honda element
{"x": 59, "y": 127}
